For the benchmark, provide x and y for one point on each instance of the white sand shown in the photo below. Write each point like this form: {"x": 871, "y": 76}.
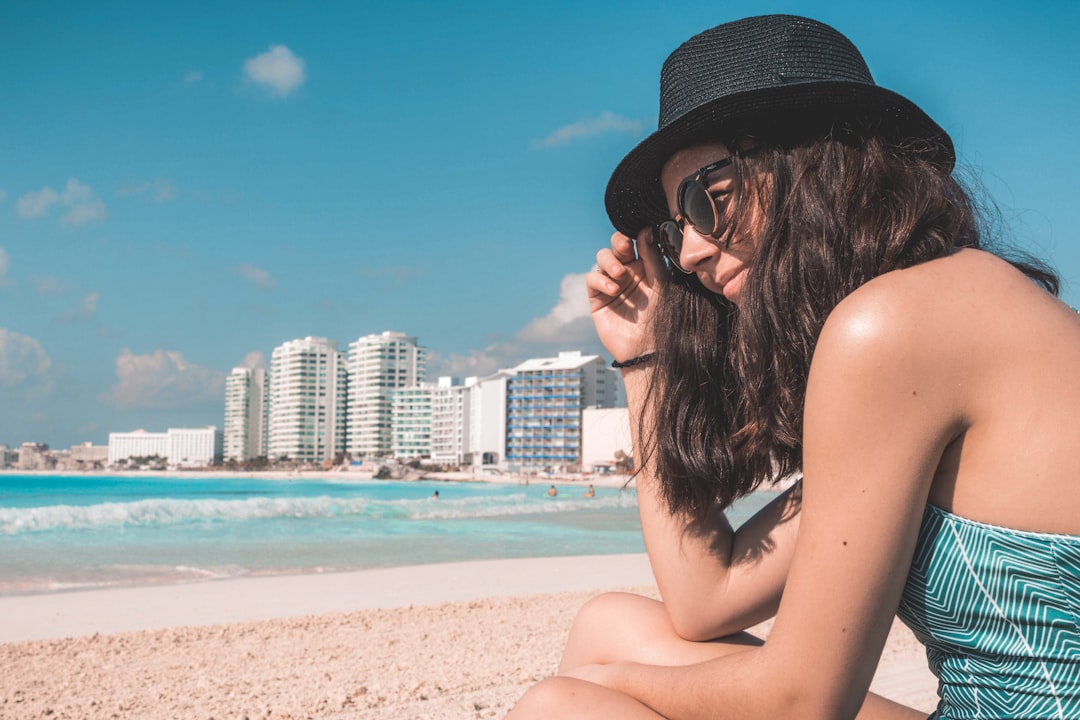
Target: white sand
{"x": 460, "y": 640}
{"x": 59, "y": 615}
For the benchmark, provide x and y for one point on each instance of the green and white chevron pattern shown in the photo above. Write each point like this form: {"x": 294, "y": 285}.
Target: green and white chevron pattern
{"x": 998, "y": 611}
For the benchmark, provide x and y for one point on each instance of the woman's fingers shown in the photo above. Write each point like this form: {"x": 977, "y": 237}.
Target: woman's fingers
{"x": 600, "y": 284}
{"x": 608, "y": 263}
{"x": 623, "y": 248}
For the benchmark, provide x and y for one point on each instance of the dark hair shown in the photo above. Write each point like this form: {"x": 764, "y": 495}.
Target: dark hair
{"x": 833, "y": 212}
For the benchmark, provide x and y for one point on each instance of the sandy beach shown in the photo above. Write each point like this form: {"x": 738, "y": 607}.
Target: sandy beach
{"x": 458, "y": 640}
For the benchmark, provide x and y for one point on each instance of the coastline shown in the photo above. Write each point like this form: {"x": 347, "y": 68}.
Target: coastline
{"x": 608, "y": 480}
{"x": 460, "y": 640}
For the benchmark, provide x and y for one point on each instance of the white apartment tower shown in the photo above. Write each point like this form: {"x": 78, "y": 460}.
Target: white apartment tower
{"x": 379, "y": 364}
{"x": 487, "y": 419}
{"x": 411, "y": 422}
{"x": 245, "y": 391}
{"x": 450, "y": 417}
{"x": 307, "y": 400}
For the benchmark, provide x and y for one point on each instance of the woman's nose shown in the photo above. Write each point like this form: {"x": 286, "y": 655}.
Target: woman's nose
{"x": 696, "y": 249}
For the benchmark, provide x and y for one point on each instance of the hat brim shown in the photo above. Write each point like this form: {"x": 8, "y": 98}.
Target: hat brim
{"x": 635, "y": 199}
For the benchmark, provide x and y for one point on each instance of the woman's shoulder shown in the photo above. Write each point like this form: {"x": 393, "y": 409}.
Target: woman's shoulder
{"x": 952, "y": 307}
{"x": 936, "y": 296}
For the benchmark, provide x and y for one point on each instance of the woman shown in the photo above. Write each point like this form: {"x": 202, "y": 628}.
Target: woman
{"x": 825, "y": 308}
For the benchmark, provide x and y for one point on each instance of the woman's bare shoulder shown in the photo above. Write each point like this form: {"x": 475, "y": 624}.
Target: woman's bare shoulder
{"x": 950, "y": 327}
{"x": 936, "y": 305}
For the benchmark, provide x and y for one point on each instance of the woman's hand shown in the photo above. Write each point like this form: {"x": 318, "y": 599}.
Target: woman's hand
{"x": 622, "y": 290}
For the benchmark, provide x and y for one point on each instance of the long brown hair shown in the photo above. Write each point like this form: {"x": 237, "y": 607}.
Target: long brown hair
{"x": 836, "y": 210}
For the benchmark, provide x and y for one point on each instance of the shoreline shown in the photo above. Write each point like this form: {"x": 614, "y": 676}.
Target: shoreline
{"x": 605, "y": 480}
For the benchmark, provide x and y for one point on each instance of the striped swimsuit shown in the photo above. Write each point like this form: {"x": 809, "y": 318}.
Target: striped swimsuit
{"x": 999, "y": 613}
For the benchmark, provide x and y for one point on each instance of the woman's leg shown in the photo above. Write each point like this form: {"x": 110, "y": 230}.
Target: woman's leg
{"x": 623, "y": 626}
{"x": 610, "y": 627}
{"x": 565, "y": 698}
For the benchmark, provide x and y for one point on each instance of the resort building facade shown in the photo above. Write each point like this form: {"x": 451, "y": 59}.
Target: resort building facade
{"x": 544, "y": 402}
{"x": 307, "y": 397}
{"x": 379, "y": 364}
{"x": 411, "y": 422}
{"x": 137, "y": 444}
{"x": 245, "y": 414}
{"x": 178, "y": 447}
{"x": 450, "y": 413}
{"x": 605, "y": 438}
{"x": 487, "y": 419}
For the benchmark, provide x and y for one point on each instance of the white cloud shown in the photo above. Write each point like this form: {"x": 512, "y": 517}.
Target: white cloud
{"x": 477, "y": 362}
{"x": 278, "y": 70}
{"x": 253, "y": 359}
{"x": 162, "y": 379}
{"x": 35, "y": 204}
{"x": 5, "y": 265}
{"x": 23, "y": 362}
{"x": 47, "y": 285}
{"x": 606, "y": 122}
{"x": 569, "y": 322}
{"x": 159, "y": 189}
{"x": 567, "y": 326}
{"x": 257, "y": 275}
{"x": 84, "y": 311}
{"x": 84, "y": 212}
{"x": 83, "y": 206}
{"x": 76, "y": 192}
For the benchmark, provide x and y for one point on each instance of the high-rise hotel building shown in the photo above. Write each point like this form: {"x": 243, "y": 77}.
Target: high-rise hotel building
{"x": 450, "y": 416}
{"x": 411, "y": 422}
{"x": 431, "y": 421}
{"x": 245, "y": 413}
{"x": 544, "y": 401}
{"x": 378, "y": 365}
{"x": 307, "y": 400}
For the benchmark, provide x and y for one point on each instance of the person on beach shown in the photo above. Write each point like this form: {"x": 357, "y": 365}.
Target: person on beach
{"x": 799, "y": 284}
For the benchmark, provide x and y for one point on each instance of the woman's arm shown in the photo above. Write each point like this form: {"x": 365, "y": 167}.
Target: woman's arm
{"x": 714, "y": 581}
{"x": 882, "y": 403}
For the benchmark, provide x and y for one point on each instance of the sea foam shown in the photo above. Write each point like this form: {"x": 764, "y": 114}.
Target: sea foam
{"x": 169, "y": 511}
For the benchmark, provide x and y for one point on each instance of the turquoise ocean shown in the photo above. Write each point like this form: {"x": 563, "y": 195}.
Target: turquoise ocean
{"x": 61, "y": 533}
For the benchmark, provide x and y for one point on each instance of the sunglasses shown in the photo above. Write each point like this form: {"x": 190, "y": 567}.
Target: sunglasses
{"x": 696, "y": 208}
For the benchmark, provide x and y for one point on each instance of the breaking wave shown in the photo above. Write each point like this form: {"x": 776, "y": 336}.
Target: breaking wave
{"x": 169, "y": 511}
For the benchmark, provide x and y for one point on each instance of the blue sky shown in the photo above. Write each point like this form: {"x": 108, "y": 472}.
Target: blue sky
{"x": 185, "y": 186}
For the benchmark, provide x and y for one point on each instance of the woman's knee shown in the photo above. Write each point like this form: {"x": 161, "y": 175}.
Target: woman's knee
{"x": 551, "y": 698}
{"x": 610, "y": 626}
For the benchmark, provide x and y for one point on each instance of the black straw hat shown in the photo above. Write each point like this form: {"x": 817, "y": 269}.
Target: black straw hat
{"x": 780, "y": 67}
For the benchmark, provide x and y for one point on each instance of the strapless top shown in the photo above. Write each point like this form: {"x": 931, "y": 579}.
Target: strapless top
{"x": 999, "y": 613}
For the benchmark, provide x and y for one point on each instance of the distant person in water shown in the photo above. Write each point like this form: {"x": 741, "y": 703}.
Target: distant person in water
{"x": 435, "y": 495}
{"x": 552, "y": 492}
{"x": 591, "y": 492}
